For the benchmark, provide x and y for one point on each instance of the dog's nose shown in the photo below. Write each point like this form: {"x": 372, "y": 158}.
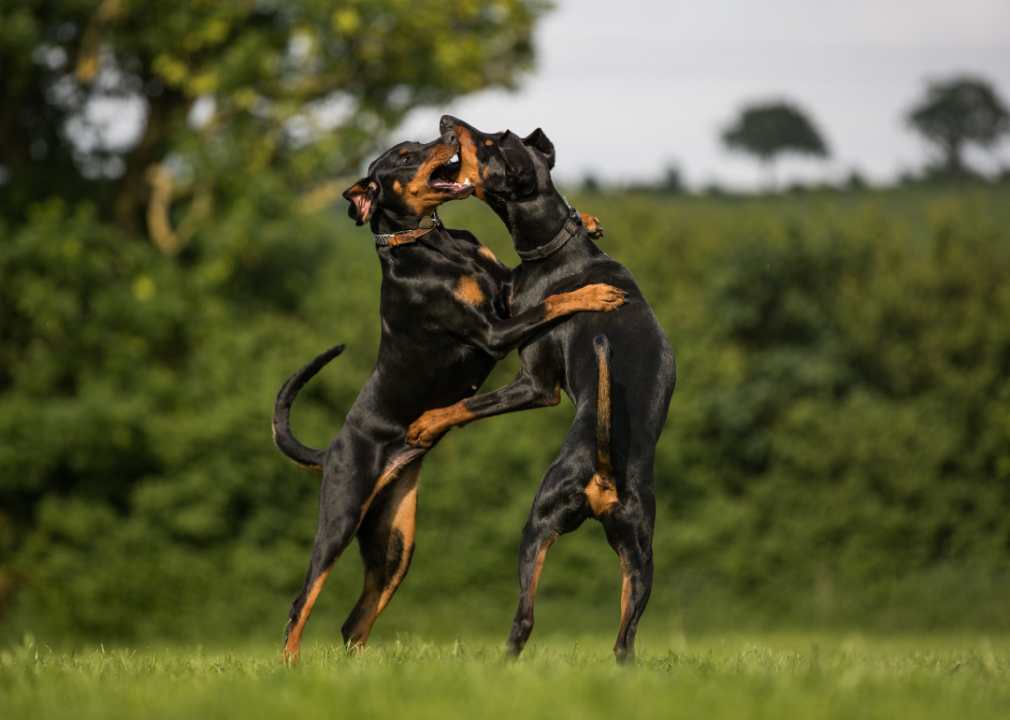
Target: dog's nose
{"x": 448, "y": 122}
{"x": 450, "y": 137}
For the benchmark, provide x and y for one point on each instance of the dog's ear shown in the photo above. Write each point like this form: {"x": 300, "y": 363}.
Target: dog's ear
{"x": 362, "y": 195}
{"x": 519, "y": 166}
{"x": 539, "y": 140}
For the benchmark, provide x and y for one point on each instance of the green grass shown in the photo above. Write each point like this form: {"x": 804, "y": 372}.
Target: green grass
{"x": 738, "y": 676}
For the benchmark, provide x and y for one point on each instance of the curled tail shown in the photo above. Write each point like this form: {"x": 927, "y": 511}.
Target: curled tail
{"x": 284, "y": 439}
{"x": 604, "y": 465}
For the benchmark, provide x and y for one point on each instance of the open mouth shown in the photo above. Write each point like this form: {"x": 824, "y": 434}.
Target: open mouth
{"x": 446, "y": 177}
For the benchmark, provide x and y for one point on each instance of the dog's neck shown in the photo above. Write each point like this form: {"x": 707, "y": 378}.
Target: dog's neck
{"x": 535, "y": 220}
{"x": 385, "y": 221}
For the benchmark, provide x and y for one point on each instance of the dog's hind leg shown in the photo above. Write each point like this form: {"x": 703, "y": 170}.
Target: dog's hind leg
{"x": 343, "y": 503}
{"x": 558, "y": 508}
{"x": 532, "y": 553}
{"x": 332, "y": 539}
{"x": 335, "y": 531}
{"x": 386, "y": 537}
{"x": 629, "y": 529}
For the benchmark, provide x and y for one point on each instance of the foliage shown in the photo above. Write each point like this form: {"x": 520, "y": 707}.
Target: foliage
{"x": 838, "y": 449}
{"x": 806, "y": 676}
{"x": 958, "y": 112}
{"x": 222, "y": 91}
{"x": 769, "y": 130}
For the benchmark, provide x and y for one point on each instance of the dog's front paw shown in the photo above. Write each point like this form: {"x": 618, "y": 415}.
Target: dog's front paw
{"x": 592, "y": 225}
{"x": 423, "y": 431}
{"x": 602, "y": 297}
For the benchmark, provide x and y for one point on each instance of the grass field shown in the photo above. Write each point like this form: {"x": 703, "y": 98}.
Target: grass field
{"x": 737, "y": 676}
{"x": 832, "y": 537}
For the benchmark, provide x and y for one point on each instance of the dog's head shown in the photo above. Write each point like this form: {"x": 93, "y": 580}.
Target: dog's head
{"x": 501, "y": 166}
{"x": 409, "y": 180}
{"x": 504, "y": 167}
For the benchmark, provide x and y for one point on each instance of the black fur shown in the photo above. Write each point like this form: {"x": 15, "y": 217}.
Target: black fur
{"x": 438, "y": 345}
{"x": 639, "y": 360}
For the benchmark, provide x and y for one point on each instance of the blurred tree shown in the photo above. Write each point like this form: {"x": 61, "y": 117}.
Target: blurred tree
{"x": 769, "y": 130}
{"x": 133, "y": 104}
{"x": 958, "y": 112}
{"x": 855, "y": 181}
{"x": 673, "y": 182}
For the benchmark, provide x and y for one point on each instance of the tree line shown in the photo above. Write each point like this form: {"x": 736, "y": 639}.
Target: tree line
{"x": 955, "y": 113}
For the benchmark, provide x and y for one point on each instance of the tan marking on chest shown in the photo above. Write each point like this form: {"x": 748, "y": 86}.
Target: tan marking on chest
{"x": 468, "y": 291}
{"x": 486, "y": 252}
{"x": 601, "y": 493}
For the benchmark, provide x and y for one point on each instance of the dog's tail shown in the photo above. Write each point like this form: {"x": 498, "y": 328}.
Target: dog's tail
{"x": 604, "y": 464}
{"x": 284, "y": 439}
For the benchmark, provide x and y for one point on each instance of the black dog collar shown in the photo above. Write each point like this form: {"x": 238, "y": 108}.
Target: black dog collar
{"x": 559, "y": 241}
{"x": 405, "y": 237}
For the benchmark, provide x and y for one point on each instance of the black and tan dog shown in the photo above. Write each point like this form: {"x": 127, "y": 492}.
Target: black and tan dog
{"x": 445, "y": 322}
{"x": 605, "y": 469}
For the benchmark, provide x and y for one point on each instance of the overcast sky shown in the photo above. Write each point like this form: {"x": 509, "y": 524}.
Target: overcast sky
{"x": 626, "y": 89}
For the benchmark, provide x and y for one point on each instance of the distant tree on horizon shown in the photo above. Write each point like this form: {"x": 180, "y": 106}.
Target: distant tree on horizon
{"x": 672, "y": 182}
{"x": 958, "y": 112}
{"x": 772, "y": 129}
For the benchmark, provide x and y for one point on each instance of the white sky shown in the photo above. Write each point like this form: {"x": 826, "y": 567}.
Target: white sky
{"x": 625, "y": 89}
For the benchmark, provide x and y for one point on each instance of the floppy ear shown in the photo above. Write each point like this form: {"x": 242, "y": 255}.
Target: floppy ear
{"x": 538, "y": 140}
{"x": 519, "y": 166}
{"x": 362, "y": 195}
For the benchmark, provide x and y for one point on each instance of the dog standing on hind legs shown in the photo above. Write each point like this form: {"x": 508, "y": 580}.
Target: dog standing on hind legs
{"x": 619, "y": 371}
{"x": 446, "y": 321}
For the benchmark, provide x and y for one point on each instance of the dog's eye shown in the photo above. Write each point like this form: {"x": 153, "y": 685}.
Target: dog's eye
{"x": 405, "y": 160}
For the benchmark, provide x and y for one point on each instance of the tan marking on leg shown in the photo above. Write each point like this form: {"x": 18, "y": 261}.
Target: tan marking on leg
{"x": 292, "y": 648}
{"x": 468, "y": 291}
{"x": 599, "y": 298}
{"x": 374, "y": 598}
{"x": 620, "y": 647}
{"x": 358, "y": 637}
{"x": 423, "y": 431}
{"x": 392, "y": 471}
{"x": 405, "y": 521}
{"x": 537, "y": 569}
{"x": 625, "y": 600}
